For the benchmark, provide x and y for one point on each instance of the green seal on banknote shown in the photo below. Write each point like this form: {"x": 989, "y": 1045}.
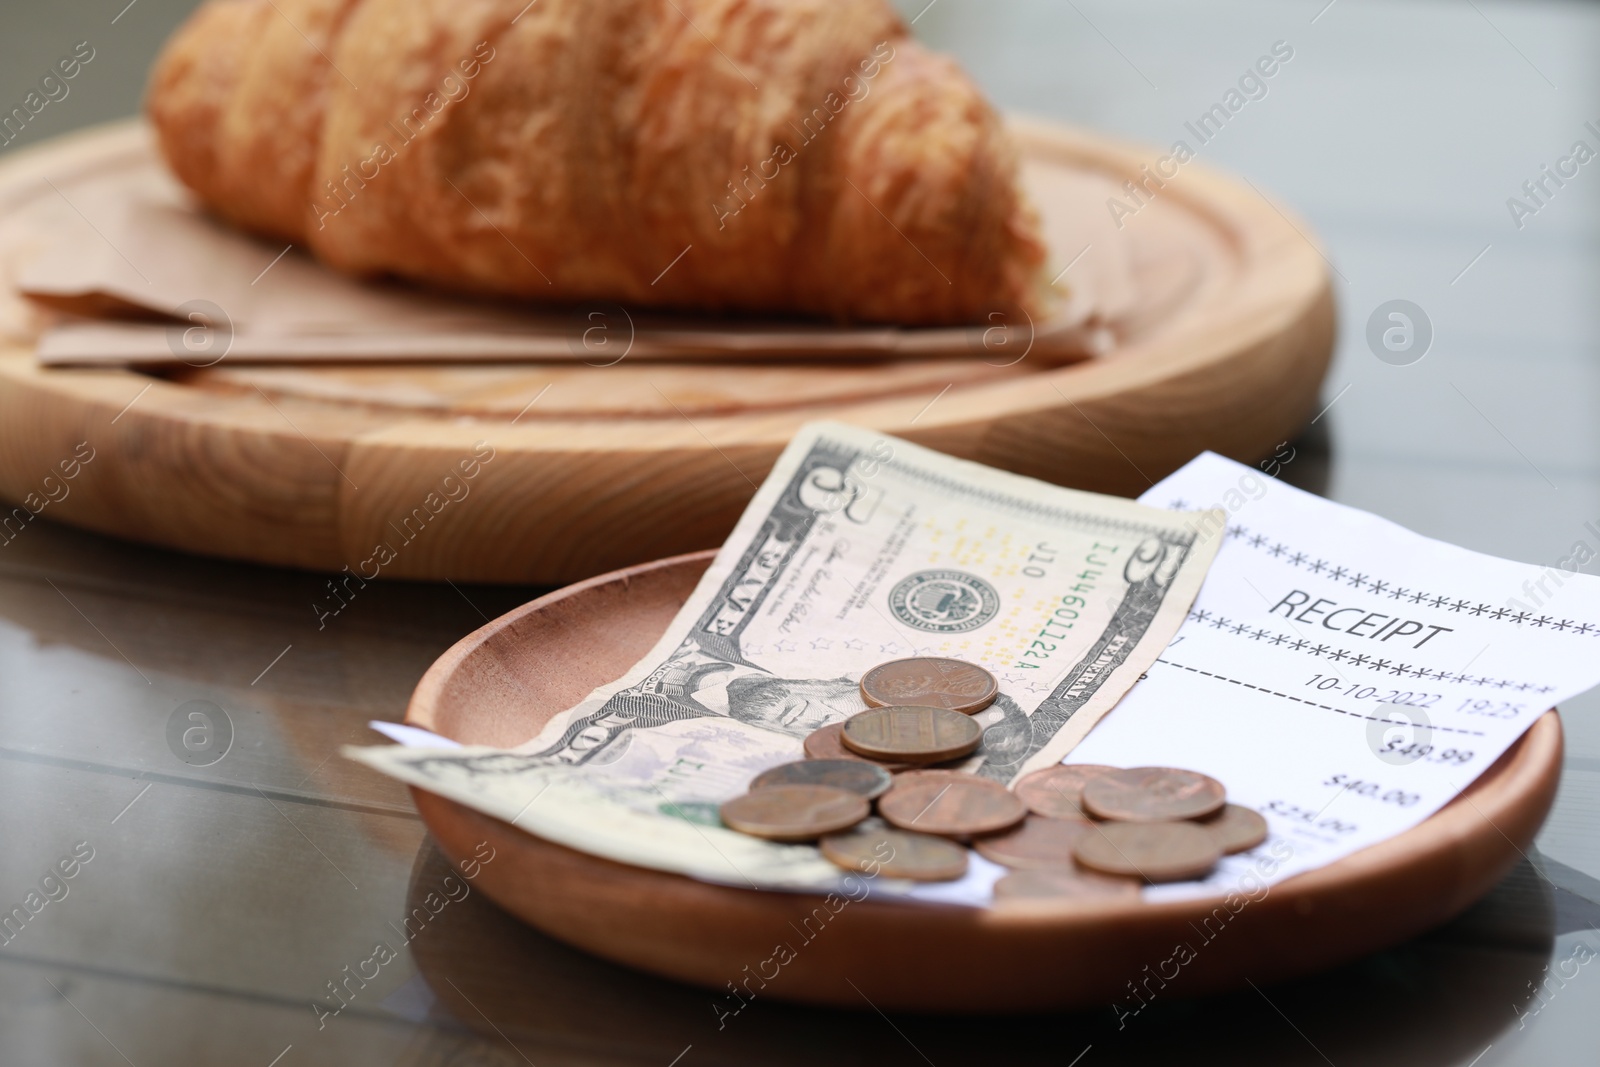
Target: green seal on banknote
{"x": 944, "y": 602}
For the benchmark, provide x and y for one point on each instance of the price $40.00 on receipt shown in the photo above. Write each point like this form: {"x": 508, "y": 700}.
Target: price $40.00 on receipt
{"x": 1345, "y": 676}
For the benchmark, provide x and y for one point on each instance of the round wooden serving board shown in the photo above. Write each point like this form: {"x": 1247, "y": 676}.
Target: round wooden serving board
{"x": 1226, "y": 330}
{"x": 498, "y": 686}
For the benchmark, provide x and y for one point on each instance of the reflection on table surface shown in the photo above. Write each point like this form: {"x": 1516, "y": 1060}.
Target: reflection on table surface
{"x": 214, "y": 902}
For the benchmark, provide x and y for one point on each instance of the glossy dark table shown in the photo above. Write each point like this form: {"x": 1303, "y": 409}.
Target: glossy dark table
{"x": 212, "y": 904}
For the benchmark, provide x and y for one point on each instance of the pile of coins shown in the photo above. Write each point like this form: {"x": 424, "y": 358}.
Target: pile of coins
{"x": 1148, "y": 824}
{"x": 1075, "y": 830}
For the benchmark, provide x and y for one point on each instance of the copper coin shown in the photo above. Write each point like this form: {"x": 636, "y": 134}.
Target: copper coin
{"x": 1154, "y": 851}
{"x": 1063, "y": 885}
{"x": 1153, "y": 794}
{"x": 912, "y": 733}
{"x": 931, "y": 682}
{"x": 953, "y": 809}
{"x": 826, "y": 744}
{"x": 1058, "y": 791}
{"x": 855, "y": 776}
{"x": 794, "y": 812}
{"x": 896, "y": 854}
{"x": 1038, "y": 843}
{"x": 1237, "y": 828}
{"x": 941, "y": 774}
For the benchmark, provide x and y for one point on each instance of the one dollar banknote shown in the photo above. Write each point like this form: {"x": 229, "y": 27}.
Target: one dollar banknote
{"x": 858, "y": 548}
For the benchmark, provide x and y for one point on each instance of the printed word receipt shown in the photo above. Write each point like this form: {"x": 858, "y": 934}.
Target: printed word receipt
{"x": 1345, "y": 676}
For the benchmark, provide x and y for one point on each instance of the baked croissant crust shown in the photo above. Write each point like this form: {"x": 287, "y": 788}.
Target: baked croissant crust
{"x": 764, "y": 156}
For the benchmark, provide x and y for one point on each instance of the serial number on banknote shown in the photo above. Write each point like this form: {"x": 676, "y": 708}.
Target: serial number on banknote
{"x": 1065, "y": 614}
{"x": 1047, "y": 640}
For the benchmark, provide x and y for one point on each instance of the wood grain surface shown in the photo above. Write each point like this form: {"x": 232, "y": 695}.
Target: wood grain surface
{"x": 499, "y": 685}
{"x": 1226, "y": 342}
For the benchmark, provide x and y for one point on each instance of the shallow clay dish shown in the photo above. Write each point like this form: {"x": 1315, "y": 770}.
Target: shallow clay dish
{"x": 1225, "y": 328}
{"x": 498, "y": 685}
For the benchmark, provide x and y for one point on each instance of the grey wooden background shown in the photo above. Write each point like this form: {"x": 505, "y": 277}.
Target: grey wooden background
{"x": 220, "y": 900}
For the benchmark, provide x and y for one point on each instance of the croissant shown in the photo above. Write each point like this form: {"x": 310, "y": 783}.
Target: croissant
{"x": 760, "y": 156}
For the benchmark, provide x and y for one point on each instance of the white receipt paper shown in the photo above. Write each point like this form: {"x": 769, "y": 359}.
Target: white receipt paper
{"x": 1338, "y": 673}
{"x": 1342, "y": 675}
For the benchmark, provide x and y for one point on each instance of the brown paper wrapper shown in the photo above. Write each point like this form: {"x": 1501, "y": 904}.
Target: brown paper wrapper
{"x": 128, "y": 272}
